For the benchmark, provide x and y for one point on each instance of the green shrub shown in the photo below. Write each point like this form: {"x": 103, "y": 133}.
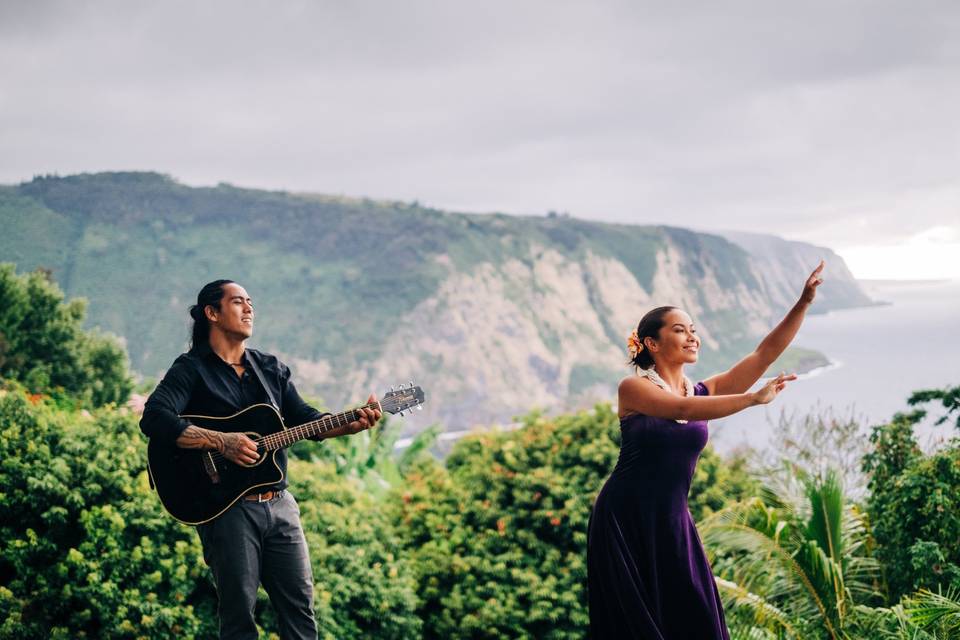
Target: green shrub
{"x": 85, "y": 550}
{"x": 364, "y": 584}
{"x": 498, "y": 536}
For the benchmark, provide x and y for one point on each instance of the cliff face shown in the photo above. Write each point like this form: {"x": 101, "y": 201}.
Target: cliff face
{"x": 549, "y": 331}
{"x": 778, "y": 262}
{"x": 492, "y": 315}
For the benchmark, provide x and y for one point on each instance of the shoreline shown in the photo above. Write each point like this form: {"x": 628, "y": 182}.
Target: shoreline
{"x": 812, "y": 373}
{"x": 820, "y": 370}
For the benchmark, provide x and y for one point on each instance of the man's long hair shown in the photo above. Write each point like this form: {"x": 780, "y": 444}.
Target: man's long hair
{"x": 210, "y": 295}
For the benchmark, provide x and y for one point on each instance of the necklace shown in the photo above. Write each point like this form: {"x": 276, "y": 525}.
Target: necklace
{"x": 234, "y": 364}
{"x": 654, "y": 377}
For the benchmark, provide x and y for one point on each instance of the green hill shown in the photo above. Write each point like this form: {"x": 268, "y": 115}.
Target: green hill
{"x": 491, "y": 313}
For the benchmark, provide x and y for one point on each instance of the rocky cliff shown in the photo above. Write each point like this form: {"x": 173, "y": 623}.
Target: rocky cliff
{"x": 492, "y": 314}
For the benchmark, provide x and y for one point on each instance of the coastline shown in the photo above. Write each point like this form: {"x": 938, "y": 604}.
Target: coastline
{"x": 861, "y": 354}
{"x": 817, "y": 371}
{"x": 801, "y": 360}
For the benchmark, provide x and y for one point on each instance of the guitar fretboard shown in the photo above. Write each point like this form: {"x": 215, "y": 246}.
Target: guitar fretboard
{"x": 287, "y": 437}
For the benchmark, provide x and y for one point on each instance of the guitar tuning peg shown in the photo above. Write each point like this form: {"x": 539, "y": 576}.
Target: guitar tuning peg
{"x": 419, "y": 407}
{"x": 411, "y": 384}
{"x": 391, "y": 388}
{"x": 401, "y": 413}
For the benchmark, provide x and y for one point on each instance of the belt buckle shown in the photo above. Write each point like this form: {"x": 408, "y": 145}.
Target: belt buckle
{"x": 260, "y": 497}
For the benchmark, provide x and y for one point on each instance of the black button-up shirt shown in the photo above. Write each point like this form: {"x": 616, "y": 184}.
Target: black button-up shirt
{"x": 201, "y": 383}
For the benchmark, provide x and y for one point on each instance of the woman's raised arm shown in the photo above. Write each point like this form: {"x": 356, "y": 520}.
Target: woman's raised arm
{"x": 742, "y": 375}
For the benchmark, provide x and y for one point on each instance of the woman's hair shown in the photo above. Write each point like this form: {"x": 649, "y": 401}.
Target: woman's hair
{"x": 210, "y": 295}
{"x": 649, "y": 327}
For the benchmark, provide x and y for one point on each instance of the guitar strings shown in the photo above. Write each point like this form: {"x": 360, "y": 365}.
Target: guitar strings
{"x": 275, "y": 440}
{"x": 326, "y": 424}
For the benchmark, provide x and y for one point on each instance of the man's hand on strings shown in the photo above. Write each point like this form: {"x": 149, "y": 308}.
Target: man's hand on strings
{"x": 238, "y": 448}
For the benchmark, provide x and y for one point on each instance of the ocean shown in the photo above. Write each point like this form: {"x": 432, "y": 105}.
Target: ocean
{"x": 879, "y": 355}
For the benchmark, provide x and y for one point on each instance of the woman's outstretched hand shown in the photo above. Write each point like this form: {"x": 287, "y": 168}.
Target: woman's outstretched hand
{"x": 810, "y": 287}
{"x": 774, "y": 386}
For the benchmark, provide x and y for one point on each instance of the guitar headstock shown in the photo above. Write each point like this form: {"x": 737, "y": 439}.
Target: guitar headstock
{"x": 403, "y": 398}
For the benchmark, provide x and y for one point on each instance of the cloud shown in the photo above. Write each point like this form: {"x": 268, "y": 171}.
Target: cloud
{"x": 801, "y": 120}
{"x": 930, "y": 254}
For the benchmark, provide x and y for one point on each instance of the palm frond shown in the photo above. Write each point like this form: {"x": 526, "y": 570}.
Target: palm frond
{"x": 928, "y": 609}
{"x": 790, "y": 583}
{"x": 826, "y": 501}
{"x": 762, "y": 613}
{"x": 825, "y": 575}
{"x": 800, "y": 547}
{"x": 751, "y": 632}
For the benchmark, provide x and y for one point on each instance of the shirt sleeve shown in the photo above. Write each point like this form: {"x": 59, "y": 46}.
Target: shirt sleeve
{"x": 161, "y": 413}
{"x": 295, "y": 409}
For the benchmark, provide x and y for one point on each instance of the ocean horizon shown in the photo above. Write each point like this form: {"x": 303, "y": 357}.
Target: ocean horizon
{"x": 878, "y": 355}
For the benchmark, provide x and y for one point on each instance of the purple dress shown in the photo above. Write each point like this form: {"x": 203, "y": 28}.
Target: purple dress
{"x": 648, "y": 576}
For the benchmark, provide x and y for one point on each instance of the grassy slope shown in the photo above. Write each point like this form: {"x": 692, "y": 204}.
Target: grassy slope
{"x": 329, "y": 275}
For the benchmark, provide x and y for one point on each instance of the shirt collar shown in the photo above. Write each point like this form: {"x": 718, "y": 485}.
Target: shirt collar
{"x": 204, "y": 351}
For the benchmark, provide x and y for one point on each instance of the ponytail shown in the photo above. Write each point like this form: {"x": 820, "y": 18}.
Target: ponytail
{"x": 209, "y": 296}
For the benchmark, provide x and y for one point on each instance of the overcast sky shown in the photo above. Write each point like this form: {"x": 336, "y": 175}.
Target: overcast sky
{"x": 833, "y": 122}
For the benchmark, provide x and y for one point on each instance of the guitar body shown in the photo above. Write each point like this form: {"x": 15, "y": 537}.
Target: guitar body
{"x": 197, "y": 486}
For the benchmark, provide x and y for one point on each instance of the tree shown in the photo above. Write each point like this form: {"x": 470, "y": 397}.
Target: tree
{"x": 914, "y": 506}
{"x": 949, "y": 397}
{"x": 499, "y": 536}
{"x": 43, "y": 345}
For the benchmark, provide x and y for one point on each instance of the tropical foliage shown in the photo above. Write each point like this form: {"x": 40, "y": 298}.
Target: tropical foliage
{"x": 488, "y": 542}
{"x": 796, "y": 555}
{"x": 802, "y": 559}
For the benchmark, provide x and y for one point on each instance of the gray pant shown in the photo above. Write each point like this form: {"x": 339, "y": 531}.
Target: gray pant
{"x": 256, "y": 542}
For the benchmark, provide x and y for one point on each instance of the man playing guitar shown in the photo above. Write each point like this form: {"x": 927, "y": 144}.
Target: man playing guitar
{"x": 257, "y": 537}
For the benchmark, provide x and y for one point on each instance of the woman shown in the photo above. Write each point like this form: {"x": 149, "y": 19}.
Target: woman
{"x": 648, "y": 575}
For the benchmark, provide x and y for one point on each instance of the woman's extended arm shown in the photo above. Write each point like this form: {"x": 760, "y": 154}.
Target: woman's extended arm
{"x": 742, "y": 375}
{"x": 638, "y": 395}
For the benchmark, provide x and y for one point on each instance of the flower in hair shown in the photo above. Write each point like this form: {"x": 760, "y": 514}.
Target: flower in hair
{"x": 634, "y": 346}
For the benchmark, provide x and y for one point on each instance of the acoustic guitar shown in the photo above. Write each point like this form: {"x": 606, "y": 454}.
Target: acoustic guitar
{"x": 197, "y": 486}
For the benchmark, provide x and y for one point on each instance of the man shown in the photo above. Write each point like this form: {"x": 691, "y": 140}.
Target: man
{"x": 259, "y": 538}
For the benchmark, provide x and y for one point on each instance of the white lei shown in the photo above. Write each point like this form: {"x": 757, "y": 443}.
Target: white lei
{"x": 654, "y": 377}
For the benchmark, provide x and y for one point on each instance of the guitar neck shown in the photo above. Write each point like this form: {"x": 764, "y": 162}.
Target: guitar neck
{"x": 287, "y": 437}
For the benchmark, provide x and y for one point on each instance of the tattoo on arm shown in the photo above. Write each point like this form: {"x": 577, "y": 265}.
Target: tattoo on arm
{"x": 193, "y": 437}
